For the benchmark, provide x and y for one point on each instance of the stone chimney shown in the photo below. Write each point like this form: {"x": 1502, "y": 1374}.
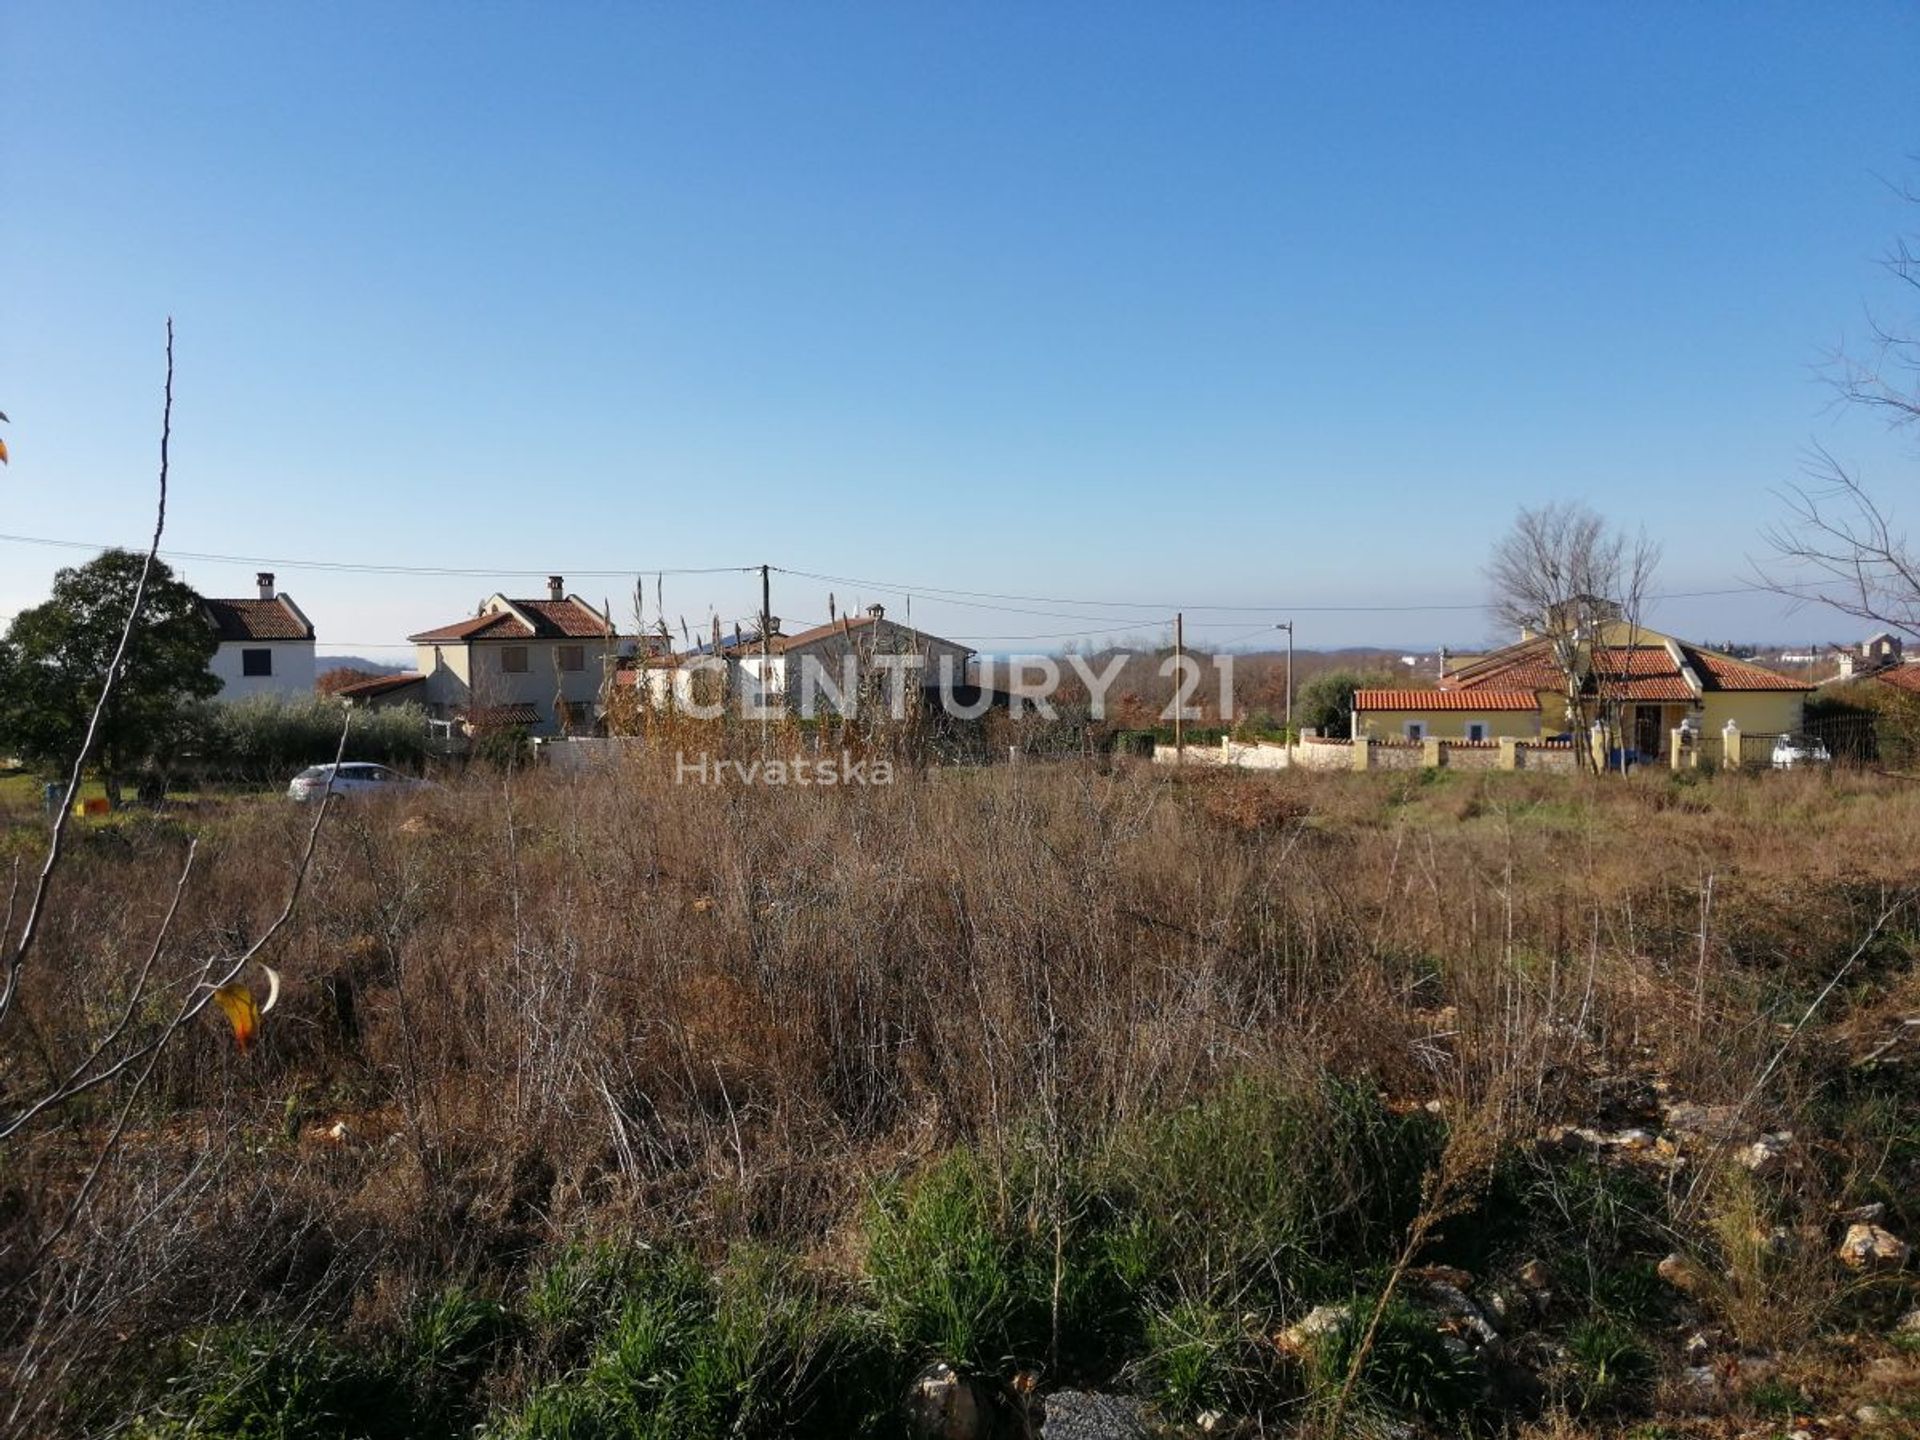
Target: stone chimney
{"x": 876, "y": 612}
{"x": 773, "y": 625}
{"x": 265, "y": 581}
{"x": 556, "y": 587}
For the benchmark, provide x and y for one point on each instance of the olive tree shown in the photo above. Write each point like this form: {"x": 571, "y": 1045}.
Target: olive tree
{"x": 56, "y": 656}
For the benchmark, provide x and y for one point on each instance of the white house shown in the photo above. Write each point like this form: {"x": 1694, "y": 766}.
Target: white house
{"x": 266, "y": 644}
{"x": 536, "y": 665}
{"x": 821, "y": 658}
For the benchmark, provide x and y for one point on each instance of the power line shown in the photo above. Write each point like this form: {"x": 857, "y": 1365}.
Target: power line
{"x": 946, "y": 595}
{"x": 369, "y": 568}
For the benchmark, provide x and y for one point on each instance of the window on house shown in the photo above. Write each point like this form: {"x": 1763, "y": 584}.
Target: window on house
{"x": 1416, "y": 729}
{"x": 256, "y": 662}
{"x": 577, "y": 714}
{"x": 1476, "y": 730}
{"x": 573, "y": 657}
{"x": 513, "y": 659}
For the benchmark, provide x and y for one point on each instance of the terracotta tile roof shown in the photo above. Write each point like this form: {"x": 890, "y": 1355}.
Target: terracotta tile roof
{"x": 378, "y": 685}
{"x": 1901, "y": 677}
{"x": 1723, "y": 672}
{"x": 1616, "y": 660}
{"x": 256, "y": 620}
{"x": 1652, "y": 687}
{"x": 1528, "y": 665}
{"x": 1470, "y": 700}
{"x": 567, "y": 619}
{"x": 847, "y": 624}
{"x": 496, "y": 625}
{"x": 783, "y": 643}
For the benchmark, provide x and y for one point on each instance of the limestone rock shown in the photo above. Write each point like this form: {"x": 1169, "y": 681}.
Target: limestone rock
{"x": 1683, "y": 1274}
{"x": 1319, "y": 1321}
{"x": 1714, "y": 1122}
{"x": 1768, "y": 1154}
{"x": 1868, "y": 1246}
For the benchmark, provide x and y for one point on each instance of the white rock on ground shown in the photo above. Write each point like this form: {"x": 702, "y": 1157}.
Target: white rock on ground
{"x": 1321, "y": 1320}
{"x": 1767, "y": 1154}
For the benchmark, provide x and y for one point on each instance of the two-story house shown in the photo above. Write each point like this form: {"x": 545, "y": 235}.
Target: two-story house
{"x": 816, "y": 671}
{"x": 266, "y": 644}
{"x": 532, "y": 664}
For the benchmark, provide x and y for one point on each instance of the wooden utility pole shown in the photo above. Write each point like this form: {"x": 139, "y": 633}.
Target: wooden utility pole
{"x": 1179, "y": 671}
{"x": 766, "y": 648}
{"x": 1288, "y": 627}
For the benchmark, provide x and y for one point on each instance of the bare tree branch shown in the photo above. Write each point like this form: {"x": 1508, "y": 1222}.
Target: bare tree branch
{"x": 16, "y": 959}
{"x": 1562, "y": 576}
{"x": 1839, "y": 545}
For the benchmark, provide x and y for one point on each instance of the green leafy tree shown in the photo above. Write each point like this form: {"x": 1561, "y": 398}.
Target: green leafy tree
{"x": 56, "y": 655}
{"x": 1325, "y": 703}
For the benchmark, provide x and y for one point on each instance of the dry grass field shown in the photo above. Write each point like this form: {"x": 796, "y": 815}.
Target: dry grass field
{"x": 610, "y": 1106}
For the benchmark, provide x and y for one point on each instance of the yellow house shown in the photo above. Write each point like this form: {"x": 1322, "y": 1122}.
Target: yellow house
{"x": 1640, "y": 684}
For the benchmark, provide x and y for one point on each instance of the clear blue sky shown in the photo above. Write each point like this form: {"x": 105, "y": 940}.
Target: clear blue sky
{"x": 1195, "y": 304}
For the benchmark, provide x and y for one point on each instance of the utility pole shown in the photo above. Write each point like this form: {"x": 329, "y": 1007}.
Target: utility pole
{"x": 766, "y": 648}
{"x": 1179, "y": 671}
{"x": 1287, "y": 625}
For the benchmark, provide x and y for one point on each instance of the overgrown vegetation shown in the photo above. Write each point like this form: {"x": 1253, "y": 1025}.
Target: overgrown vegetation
{"x": 607, "y": 1106}
{"x": 269, "y": 738}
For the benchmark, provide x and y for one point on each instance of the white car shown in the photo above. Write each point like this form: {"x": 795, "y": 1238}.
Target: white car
{"x": 350, "y": 779}
{"x": 1792, "y": 750}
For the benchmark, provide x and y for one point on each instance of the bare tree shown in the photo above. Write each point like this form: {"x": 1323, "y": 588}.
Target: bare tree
{"x": 1567, "y": 578}
{"x": 1840, "y": 545}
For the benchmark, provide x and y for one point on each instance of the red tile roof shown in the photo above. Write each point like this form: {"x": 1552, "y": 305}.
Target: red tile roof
{"x": 1672, "y": 687}
{"x": 846, "y": 624}
{"x": 1723, "y": 672}
{"x": 1617, "y": 660}
{"x": 378, "y": 685}
{"x": 1901, "y": 677}
{"x": 256, "y": 620}
{"x": 1469, "y": 700}
{"x": 1639, "y": 672}
{"x": 567, "y": 619}
{"x": 495, "y": 625}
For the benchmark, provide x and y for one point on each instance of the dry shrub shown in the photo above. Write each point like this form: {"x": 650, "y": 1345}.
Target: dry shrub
{"x": 547, "y": 1008}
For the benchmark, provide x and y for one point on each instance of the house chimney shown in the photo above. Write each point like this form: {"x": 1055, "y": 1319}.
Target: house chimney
{"x": 556, "y": 587}
{"x": 1443, "y": 662}
{"x": 773, "y": 625}
{"x": 265, "y": 581}
{"x": 876, "y": 612}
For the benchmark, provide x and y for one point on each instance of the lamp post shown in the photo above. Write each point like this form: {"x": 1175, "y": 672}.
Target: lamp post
{"x": 1287, "y": 625}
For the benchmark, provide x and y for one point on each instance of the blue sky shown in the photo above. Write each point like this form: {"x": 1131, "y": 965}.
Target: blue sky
{"x": 1170, "y": 305}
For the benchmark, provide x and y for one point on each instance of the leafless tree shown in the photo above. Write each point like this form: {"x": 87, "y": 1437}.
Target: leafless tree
{"x": 1564, "y": 576}
{"x": 1840, "y": 544}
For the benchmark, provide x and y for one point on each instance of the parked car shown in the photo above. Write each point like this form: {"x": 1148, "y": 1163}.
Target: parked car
{"x": 1792, "y": 750}
{"x": 351, "y": 779}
